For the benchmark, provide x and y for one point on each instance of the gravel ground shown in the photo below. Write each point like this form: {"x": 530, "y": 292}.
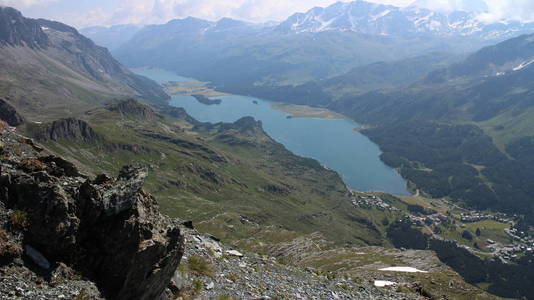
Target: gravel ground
{"x": 231, "y": 274}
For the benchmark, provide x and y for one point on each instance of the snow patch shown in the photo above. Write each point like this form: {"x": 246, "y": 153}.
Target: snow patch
{"x": 380, "y": 15}
{"x": 384, "y": 283}
{"x": 523, "y": 65}
{"x": 403, "y": 269}
{"x": 45, "y": 28}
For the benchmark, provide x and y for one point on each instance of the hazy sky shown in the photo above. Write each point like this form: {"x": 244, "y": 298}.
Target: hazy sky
{"x": 83, "y": 13}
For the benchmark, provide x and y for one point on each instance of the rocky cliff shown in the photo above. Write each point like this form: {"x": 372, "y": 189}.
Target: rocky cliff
{"x": 133, "y": 108}
{"x": 64, "y": 233}
{"x": 69, "y": 129}
{"x": 9, "y": 114}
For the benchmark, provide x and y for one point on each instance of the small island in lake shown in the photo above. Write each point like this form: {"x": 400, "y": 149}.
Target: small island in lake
{"x": 207, "y": 101}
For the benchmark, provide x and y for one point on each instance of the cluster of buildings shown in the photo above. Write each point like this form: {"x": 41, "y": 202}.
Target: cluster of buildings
{"x": 474, "y": 216}
{"x": 512, "y": 252}
{"x": 522, "y": 243}
{"x": 434, "y": 219}
{"x": 371, "y": 201}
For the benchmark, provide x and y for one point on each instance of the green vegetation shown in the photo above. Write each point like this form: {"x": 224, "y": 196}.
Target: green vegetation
{"x": 19, "y": 219}
{"x": 200, "y": 266}
{"x": 7, "y": 248}
{"x": 198, "y": 286}
{"x": 220, "y": 175}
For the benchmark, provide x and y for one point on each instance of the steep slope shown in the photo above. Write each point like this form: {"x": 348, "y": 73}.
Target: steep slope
{"x": 46, "y": 64}
{"x": 386, "y": 74}
{"x": 508, "y": 56}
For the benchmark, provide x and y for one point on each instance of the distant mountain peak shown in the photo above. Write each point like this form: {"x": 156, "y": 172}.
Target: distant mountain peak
{"x": 460, "y": 19}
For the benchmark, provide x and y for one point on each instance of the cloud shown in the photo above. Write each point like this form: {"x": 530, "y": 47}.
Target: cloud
{"x": 519, "y": 10}
{"x": 82, "y": 13}
{"x": 249, "y": 10}
{"x": 25, "y": 3}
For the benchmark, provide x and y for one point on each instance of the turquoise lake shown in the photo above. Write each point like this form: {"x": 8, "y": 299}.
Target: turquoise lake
{"x": 333, "y": 143}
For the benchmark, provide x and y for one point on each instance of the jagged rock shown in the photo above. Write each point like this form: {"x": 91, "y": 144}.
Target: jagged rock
{"x": 9, "y": 114}
{"x": 69, "y": 129}
{"x": 181, "y": 114}
{"x": 131, "y": 107}
{"x": 107, "y": 229}
{"x": 245, "y": 125}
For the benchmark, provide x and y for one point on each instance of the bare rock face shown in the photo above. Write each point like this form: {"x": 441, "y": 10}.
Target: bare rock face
{"x": 9, "y": 114}
{"x": 65, "y": 129}
{"x": 109, "y": 230}
{"x": 131, "y": 107}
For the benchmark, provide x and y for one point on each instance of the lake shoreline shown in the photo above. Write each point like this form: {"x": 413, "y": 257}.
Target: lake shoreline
{"x": 314, "y": 133}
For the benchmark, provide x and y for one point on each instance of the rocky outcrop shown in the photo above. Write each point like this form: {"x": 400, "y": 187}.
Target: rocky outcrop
{"x": 108, "y": 230}
{"x": 133, "y": 108}
{"x": 9, "y": 114}
{"x": 245, "y": 125}
{"x": 69, "y": 129}
{"x": 181, "y": 114}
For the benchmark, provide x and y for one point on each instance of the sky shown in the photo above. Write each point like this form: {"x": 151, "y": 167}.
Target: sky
{"x": 85, "y": 13}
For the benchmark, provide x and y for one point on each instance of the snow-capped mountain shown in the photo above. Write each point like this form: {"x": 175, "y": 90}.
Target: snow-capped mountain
{"x": 387, "y": 20}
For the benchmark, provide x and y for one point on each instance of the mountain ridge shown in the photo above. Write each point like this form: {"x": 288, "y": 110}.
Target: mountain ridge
{"x": 57, "y": 63}
{"x": 379, "y": 19}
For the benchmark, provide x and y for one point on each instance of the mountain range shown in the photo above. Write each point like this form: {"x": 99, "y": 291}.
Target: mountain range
{"x": 319, "y": 44}
{"x": 387, "y": 20}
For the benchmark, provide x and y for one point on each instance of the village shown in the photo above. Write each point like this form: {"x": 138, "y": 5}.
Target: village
{"x": 519, "y": 243}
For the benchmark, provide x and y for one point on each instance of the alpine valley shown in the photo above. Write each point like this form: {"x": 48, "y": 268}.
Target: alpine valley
{"x": 110, "y": 190}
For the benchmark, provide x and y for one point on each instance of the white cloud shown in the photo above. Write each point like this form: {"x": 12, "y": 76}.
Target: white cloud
{"x": 250, "y": 10}
{"x": 111, "y": 12}
{"x": 520, "y": 10}
{"x": 25, "y": 3}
